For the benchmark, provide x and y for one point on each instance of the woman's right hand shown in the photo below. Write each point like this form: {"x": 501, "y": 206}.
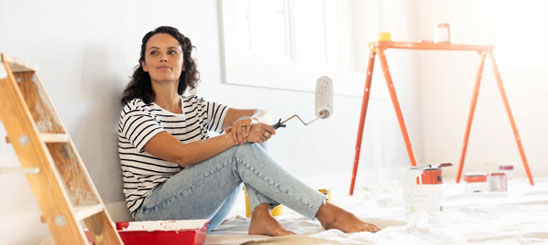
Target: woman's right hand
{"x": 230, "y": 133}
{"x": 240, "y": 130}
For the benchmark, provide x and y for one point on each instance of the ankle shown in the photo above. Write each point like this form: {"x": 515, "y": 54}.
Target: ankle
{"x": 326, "y": 214}
{"x": 261, "y": 210}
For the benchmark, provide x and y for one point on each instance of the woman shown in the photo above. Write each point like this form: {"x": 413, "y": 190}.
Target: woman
{"x": 172, "y": 169}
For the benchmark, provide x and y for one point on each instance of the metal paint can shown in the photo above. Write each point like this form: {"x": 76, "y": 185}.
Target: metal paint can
{"x": 497, "y": 181}
{"x": 508, "y": 169}
{"x": 422, "y": 190}
{"x": 475, "y": 182}
{"x": 442, "y": 33}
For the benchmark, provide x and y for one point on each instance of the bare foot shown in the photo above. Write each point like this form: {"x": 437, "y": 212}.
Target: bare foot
{"x": 262, "y": 223}
{"x": 334, "y": 217}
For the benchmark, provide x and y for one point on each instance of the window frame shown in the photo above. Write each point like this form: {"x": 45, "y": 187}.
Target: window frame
{"x": 242, "y": 67}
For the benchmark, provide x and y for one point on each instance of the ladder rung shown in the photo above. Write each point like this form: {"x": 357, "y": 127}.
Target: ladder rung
{"x": 3, "y": 73}
{"x": 18, "y": 65}
{"x": 83, "y": 212}
{"x": 19, "y": 170}
{"x": 54, "y": 138}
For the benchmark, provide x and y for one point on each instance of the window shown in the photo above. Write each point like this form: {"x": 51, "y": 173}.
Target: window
{"x": 290, "y": 43}
{"x": 520, "y": 34}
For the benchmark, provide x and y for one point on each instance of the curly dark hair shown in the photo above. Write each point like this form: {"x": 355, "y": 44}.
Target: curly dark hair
{"x": 140, "y": 85}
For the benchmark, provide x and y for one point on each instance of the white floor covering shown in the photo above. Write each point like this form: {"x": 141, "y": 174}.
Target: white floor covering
{"x": 518, "y": 216}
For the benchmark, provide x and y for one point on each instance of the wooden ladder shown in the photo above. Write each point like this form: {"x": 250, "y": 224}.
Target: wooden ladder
{"x": 58, "y": 178}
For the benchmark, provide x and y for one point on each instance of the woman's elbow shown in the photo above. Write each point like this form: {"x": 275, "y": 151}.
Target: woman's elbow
{"x": 181, "y": 161}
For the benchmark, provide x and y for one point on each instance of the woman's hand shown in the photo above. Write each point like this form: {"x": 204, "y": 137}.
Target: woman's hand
{"x": 240, "y": 130}
{"x": 260, "y": 132}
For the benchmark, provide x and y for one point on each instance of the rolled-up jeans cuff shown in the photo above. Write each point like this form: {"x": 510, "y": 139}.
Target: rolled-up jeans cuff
{"x": 256, "y": 198}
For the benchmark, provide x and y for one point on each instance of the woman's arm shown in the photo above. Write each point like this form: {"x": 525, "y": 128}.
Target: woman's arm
{"x": 233, "y": 115}
{"x": 169, "y": 148}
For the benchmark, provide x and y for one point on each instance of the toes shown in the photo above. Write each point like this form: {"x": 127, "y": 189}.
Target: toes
{"x": 373, "y": 228}
{"x": 370, "y": 228}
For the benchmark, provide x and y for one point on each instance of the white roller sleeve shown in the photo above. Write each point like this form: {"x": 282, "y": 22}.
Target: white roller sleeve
{"x": 324, "y": 97}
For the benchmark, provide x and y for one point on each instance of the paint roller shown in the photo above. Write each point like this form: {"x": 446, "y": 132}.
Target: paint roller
{"x": 323, "y": 105}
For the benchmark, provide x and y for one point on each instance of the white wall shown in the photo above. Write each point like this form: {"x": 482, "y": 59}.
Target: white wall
{"x": 447, "y": 81}
{"x": 87, "y": 49}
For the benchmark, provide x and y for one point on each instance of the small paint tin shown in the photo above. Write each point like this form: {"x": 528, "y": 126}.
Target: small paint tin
{"x": 476, "y": 182}
{"x": 497, "y": 181}
{"x": 508, "y": 169}
{"x": 384, "y": 36}
{"x": 442, "y": 33}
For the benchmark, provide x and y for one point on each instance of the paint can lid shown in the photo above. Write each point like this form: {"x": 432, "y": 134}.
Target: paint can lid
{"x": 443, "y": 25}
{"x": 475, "y": 174}
{"x": 506, "y": 167}
{"x": 475, "y": 177}
{"x": 497, "y": 174}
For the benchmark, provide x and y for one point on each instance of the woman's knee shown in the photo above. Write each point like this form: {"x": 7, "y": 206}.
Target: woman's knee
{"x": 250, "y": 150}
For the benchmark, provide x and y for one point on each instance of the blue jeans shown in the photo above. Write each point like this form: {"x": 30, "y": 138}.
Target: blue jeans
{"x": 207, "y": 190}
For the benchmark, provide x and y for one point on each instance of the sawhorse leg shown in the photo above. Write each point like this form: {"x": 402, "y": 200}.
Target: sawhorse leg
{"x": 508, "y": 112}
{"x": 397, "y": 107}
{"x": 511, "y": 117}
{"x": 365, "y": 102}
{"x": 471, "y": 116}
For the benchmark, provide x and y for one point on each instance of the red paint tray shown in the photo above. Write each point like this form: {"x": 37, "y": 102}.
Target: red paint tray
{"x": 163, "y": 232}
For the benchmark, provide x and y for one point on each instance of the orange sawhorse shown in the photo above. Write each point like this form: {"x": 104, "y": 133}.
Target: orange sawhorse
{"x": 380, "y": 47}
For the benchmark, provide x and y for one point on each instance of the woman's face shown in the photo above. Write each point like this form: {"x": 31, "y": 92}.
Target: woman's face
{"x": 163, "y": 58}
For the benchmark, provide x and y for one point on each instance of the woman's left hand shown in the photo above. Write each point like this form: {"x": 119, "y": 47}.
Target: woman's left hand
{"x": 260, "y": 132}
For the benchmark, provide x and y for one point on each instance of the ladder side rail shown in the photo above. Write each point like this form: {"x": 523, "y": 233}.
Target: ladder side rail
{"x": 70, "y": 168}
{"x": 42, "y": 110}
{"x": 83, "y": 193}
{"x": 47, "y": 187}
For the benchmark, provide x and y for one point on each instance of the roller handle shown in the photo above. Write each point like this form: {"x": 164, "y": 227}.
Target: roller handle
{"x": 447, "y": 164}
{"x": 279, "y": 124}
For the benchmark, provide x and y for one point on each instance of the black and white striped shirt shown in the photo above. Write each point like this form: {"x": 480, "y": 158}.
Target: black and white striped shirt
{"x": 139, "y": 122}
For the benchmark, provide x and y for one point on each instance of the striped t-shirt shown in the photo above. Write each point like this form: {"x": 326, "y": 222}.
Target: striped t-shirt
{"x": 139, "y": 122}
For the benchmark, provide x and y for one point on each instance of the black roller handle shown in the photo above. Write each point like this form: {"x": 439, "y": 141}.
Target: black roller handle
{"x": 279, "y": 124}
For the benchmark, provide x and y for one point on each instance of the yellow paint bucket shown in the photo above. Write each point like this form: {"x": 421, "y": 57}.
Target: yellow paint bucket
{"x": 276, "y": 211}
{"x": 384, "y": 36}
{"x": 327, "y": 193}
